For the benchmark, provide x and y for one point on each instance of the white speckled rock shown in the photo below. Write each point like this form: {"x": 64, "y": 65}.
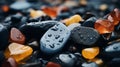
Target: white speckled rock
{"x": 54, "y": 39}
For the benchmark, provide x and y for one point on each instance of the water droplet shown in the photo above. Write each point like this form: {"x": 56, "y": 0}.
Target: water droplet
{"x": 54, "y": 29}
{"x": 57, "y": 36}
{"x": 49, "y": 35}
{"x": 115, "y": 48}
{"x": 61, "y": 40}
{"x": 47, "y": 41}
{"x": 52, "y": 46}
{"x": 60, "y": 30}
{"x": 58, "y": 44}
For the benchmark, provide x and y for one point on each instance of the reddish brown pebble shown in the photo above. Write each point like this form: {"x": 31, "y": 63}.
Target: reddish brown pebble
{"x": 10, "y": 63}
{"x": 52, "y": 64}
{"x": 16, "y": 36}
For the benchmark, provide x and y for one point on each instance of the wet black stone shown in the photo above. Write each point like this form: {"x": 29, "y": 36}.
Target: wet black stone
{"x": 34, "y": 44}
{"x": 88, "y": 15}
{"x": 115, "y": 62}
{"x": 2, "y": 57}
{"x": 113, "y": 50}
{"x": 4, "y": 37}
{"x": 36, "y": 29}
{"x": 15, "y": 20}
{"x": 89, "y": 22}
{"x": 85, "y": 35}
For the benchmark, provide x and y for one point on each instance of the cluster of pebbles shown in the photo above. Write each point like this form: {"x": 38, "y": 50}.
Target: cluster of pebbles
{"x": 59, "y": 33}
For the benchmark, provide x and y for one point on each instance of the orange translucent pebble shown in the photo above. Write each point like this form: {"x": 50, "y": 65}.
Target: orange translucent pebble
{"x": 52, "y": 12}
{"x": 90, "y": 53}
{"x": 5, "y": 8}
{"x": 73, "y": 19}
{"x": 18, "y": 52}
{"x": 104, "y": 26}
{"x": 114, "y": 16}
{"x": 36, "y": 13}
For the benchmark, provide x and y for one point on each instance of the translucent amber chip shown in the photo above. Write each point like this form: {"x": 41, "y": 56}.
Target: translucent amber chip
{"x": 114, "y": 16}
{"x": 97, "y": 61}
{"x": 104, "y": 26}
{"x": 52, "y": 12}
{"x": 73, "y": 19}
{"x": 90, "y": 53}
{"x": 18, "y": 52}
{"x": 36, "y": 13}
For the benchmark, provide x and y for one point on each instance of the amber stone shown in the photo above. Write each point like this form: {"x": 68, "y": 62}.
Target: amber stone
{"x": 114, "y": 16}
{"x": 52, "y": 12}
{"x": 18, "y": 51}
{"x": 104, "y": 26}
{"x": 52, "y": 64}
{"x": 73, "y": 19}
{"x": 16, "y": 36}
{"x": 36, "y": 13}
{"x": 5, "y": 8}
{"x": 97, "y": 61}
{"x": 90, "y": 53}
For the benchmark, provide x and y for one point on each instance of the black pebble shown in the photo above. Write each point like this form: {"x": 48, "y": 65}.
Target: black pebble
{"x": 85, "y": 35}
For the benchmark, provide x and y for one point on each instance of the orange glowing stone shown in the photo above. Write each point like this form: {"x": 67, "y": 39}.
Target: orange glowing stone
{"x": 52, "y": 12}
{"x": 114, "y": 16}
{"x": 5, "y": 8}
{"x": 36, "y": 13}
{"x": 18, "y": 52}
{"x": 73, "y": 19}
{"x": 90, "y": 53}
{"x": 104, "y": 26}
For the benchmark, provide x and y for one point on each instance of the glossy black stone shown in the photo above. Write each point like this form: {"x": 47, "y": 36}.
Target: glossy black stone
{"x": 90, "y": 22}
{"x": 113, "y": 50}
{"x": 115, "y": 62}
{"x": 36, "y": 29}
{"x": 34, "y": 44}
{"x": 88, "y": 15}
{"x": 15, "y": 20}
{"x": 2, "y": 57}
{"x": 4, "y": 37}
{"x": 85, "y": 35}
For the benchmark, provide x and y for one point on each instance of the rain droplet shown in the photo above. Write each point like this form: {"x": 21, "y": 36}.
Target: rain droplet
{"x": 49, "y": 35}
{"x": 52, "y": 46}
{"x": 54, "y": 29}
{"x": 57, "y": 36}
{"x": 61, "y": 40}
